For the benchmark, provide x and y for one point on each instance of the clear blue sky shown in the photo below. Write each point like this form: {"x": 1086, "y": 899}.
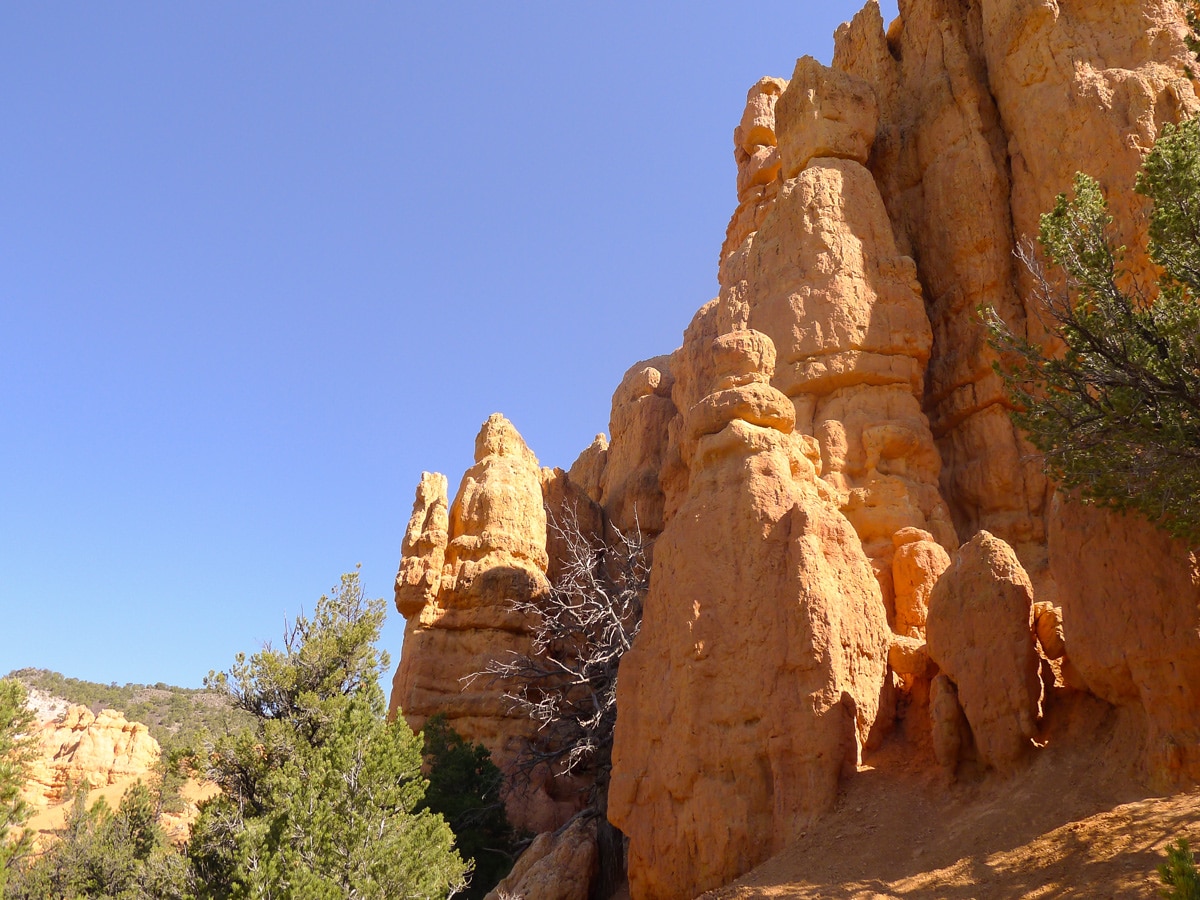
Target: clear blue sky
{"x": 262, "y": 264}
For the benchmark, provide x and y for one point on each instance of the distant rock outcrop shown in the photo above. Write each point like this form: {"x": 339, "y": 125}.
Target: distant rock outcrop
{"x": 79, "y": 748}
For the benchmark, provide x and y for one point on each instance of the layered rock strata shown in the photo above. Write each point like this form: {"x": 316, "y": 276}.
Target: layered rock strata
{"x": 987, "y": 110}
{"x": 822, "y": 276}
{"x": 758, "y": 670}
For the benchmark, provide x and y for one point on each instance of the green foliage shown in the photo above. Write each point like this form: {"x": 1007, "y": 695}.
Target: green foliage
{"x": 464, "y": 788}
{"x": 321, "y": 798}
{"x": 103, "y": 853}
{"x": 1191, "y": 9}
{"x": 176, "y": 717}
{"x": 15, "y": 749}
{"x": 1117, "y": 414}
{"x": 1179, "y": 874}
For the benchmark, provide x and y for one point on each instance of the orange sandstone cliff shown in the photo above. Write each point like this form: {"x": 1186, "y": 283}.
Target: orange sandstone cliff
{"x": 854, "y": 544}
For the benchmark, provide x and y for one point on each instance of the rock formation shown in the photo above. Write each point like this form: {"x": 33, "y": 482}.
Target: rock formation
{"x": 981, "y": 636}
{"x": 1131, "y": 616}
{"x": 557, "y": 866}
{"x": 757, "y": 674}
{"x": 459, "y": 571}
{"x": 987, "y": 110}
{"x": 829, "y": 428}
{"x": 79, "y": 748}
{"x": 918, "y": 563}
{"x": 631, "y": 490}
{"x": 821, "y": 276}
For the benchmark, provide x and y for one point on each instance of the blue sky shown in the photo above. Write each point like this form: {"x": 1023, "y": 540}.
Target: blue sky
{"x": 262, "y": 264}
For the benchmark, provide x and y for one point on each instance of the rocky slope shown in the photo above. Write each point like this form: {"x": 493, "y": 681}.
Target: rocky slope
{"x": 103, "y": 752}
{"x": 860, "y": 575}
{"x": 78, "y": 748}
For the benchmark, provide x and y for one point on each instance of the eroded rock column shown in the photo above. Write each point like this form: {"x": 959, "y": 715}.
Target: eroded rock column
{"x": 460, "y": 570}
{"x": 822, "y": 276}
{"x": 758, "y": 670}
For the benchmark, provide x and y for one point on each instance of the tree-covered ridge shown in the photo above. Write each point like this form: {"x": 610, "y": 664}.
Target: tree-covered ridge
{"x": 176, "y": 717}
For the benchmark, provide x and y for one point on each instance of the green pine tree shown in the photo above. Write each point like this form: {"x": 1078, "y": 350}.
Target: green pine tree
{"x": 105, "y": 853}
{"x": 465, "y": 788}
{"x": 322, "y": 797}
{"x": 1179, "y": 874}
{"x": 16, "y": 722}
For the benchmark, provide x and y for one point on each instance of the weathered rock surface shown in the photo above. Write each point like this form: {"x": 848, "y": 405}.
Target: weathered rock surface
{"x": 824, "y": 113}
{"x": 950, "y": 731}
{"x": 588, "y": 468}
{"x": 757, "y": 674}
{"x": 631, "y": 489}
{"x": 940, "y": 161}
{"x": 557, "y": 866}
{"x": 987, "y": 110}
{"x": 494, "y": 552}
{"x": 822, "y": 276}
{"x": 916, "y": 567}
{"x": 81, "y": 748}
{"x": 980, "y": 634}
{"x": 1131, "y": 615}
{"x": 756, "y": 152}
{"x": 828, "y": 428}
{"x": 423, "y": 551}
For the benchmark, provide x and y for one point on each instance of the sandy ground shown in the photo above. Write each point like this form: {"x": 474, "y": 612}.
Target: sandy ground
{"x": 1077, "y": 821}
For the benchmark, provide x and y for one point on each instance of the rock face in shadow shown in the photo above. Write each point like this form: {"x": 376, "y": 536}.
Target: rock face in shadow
{"x": 757, "y": 674}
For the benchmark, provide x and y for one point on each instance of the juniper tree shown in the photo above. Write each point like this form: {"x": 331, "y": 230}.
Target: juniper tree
{"x": 322, "y": 797}
{"x": 1116, "y": 414}
{"x": 16, "y": 723}
{"x": 103, "y": 853}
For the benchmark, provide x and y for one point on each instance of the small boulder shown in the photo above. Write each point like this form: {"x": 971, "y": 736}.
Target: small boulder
{"x": 918, "y": 563}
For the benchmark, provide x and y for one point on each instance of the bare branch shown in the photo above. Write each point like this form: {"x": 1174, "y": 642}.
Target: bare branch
{"x": 567, "y": 684}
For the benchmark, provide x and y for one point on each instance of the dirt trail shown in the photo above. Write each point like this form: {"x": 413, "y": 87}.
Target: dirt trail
{"x": 1076, "y": 822}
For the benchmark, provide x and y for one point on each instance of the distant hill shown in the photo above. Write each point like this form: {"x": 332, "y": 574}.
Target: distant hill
{"x": 175, "y": 716}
